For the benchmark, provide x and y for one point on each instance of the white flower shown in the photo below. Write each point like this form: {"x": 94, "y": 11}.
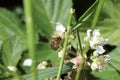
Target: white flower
{"x": 87, "y": 38}
{"x": 95, "y": 39}
{"x": 60, "y": 28}
{"x": 12, "y": 68}
{"x": 100, "y": 62}
{"x": 95, "y": 53}
{"x": 60, "y": 53}
{"x": 100, "y": 49}
{"x": 99, "y": 40}
{"x": 42, "y": 65}
{"x": 27, "y": 62}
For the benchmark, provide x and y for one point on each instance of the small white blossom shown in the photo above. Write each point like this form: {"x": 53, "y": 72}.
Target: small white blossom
{"x": 99, "y": 40}
{"x": 42, "y": 65}
{"x": 100, "y": 49}
{"x": 95, "y": 53}
{"x": 94, "y": 66}
{"x": 60, "y": 28}
{"x": 60, "y": 53}
{"x": 95, "y": 39}
{"x": 72, "y": 10}
{"x": 96, "y": 42}
{"x": 100, "y": 62}
{"x": 12, "y": 68}
{"x": 27, "y": 62}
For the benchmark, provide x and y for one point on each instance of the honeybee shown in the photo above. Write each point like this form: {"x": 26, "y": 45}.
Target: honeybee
{"x": 55, "y": 42}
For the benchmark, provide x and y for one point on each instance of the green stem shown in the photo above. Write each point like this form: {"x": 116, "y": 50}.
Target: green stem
{"x": 30, "y": 34}
{"x": 79, "y": 70}
{"x": 79, "y": 41}
{"x": 82, "y": 61}
{"x": 85, "y": 16}
{"x": 63, "y": 55}
{"x": 97, "y": 13}
{"x": 93, "y": 26}
{"x": 64, "y": 47}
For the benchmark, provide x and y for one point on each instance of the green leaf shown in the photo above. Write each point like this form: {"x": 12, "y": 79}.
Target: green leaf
{"x": 44, "y": 52}
{"x": 115, "y": 58}
{"x": 9, "y": 24}
{"x": 49, "y": 12}
{"x": 48, "y": 72}
{"x": 12, "y": 50}
{"x": 113, "y": 71}
{"x": 109, "y": 74}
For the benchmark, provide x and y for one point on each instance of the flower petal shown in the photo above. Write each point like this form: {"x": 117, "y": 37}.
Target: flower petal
{"x": 88, "y": 33}
{"x": 60, "y": 28}
{"x": 100, "y": 49}
{"x": 94, "y": 66}
{"x": 27, "y": 62}
{"x": 92, "y": 43}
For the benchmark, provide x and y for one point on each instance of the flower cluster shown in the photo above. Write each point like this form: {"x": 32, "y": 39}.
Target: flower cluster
{"x": 42, "y": 65}
{"x": 93, "y": 49}
{"x": 57, "y": 40}
{"x": 57, "y": 36}
{"x": 96, "y": 60}
{"x": 96, "y": 43}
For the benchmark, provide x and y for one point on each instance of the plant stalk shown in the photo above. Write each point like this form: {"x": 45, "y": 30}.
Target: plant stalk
{"x": 83, "y": 18}
{"x": 82, "y": 61}
{"x": 93, "y": 26}
{"x": 97, "y": 13}
{"x": 79, "y": 41}
{"x": 79, "y": 70}
{"x": 65, "y": 45}
{"x": 30, "y": 34}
